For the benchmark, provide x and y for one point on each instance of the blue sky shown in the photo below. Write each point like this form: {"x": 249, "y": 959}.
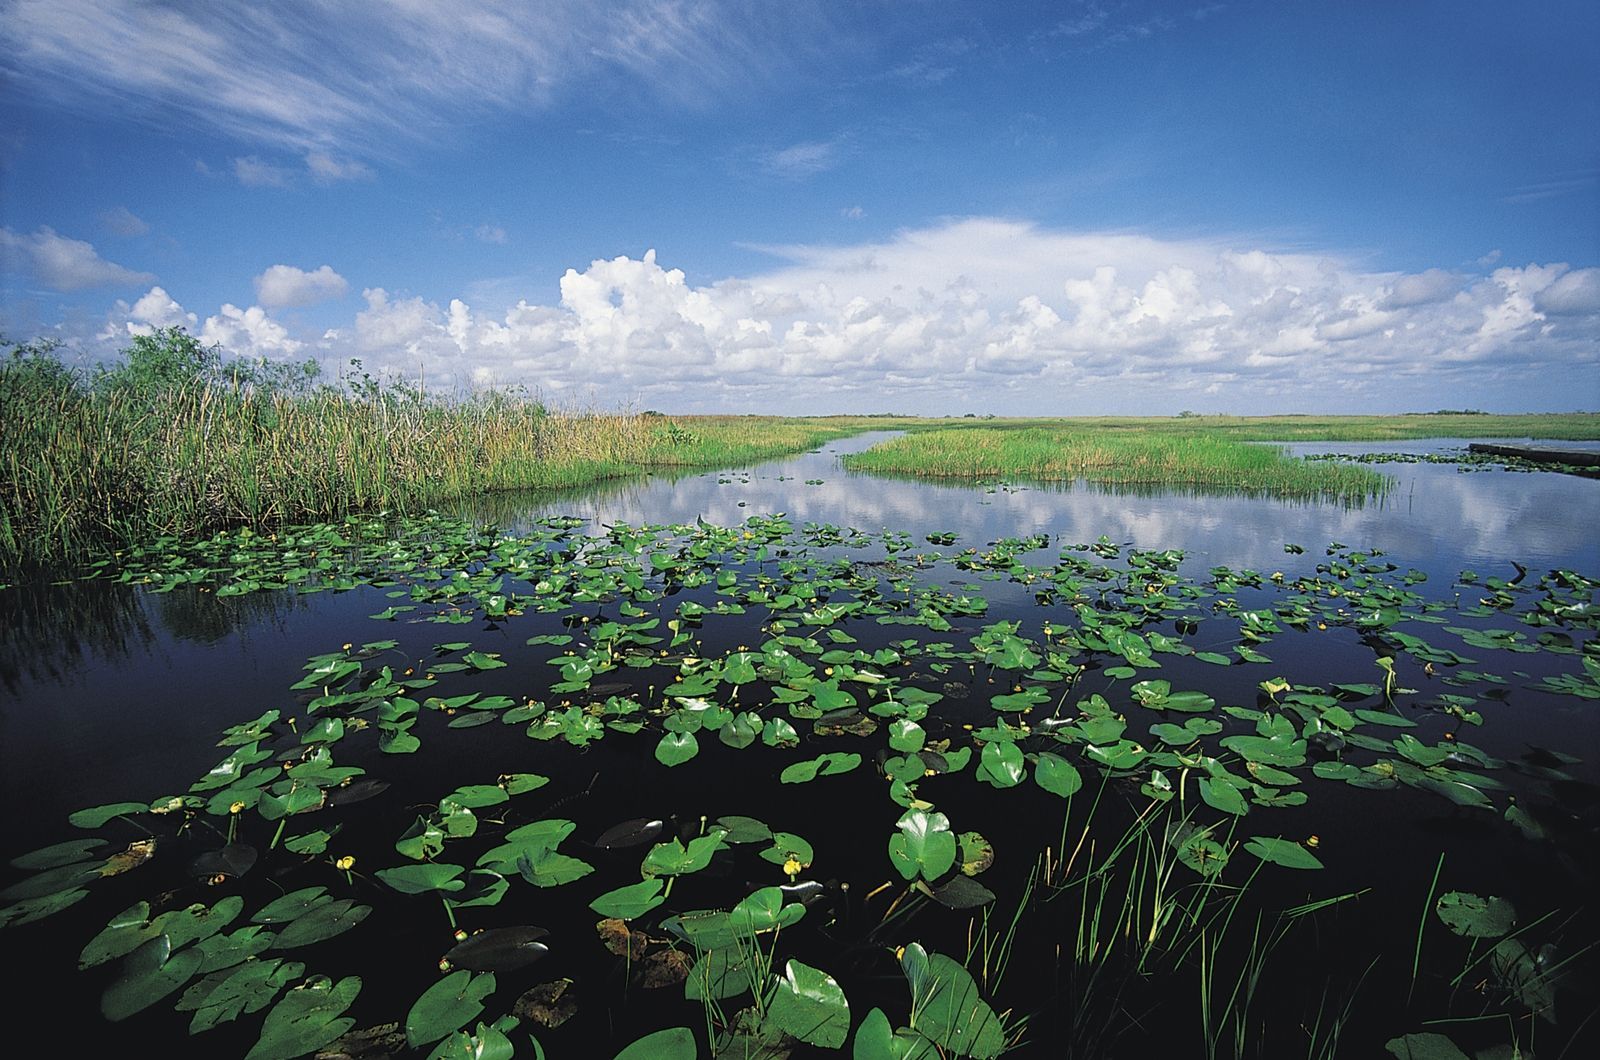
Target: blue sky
{"x": 929, "y": 207}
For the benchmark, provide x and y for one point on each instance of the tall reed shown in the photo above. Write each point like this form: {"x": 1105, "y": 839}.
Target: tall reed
{"x": 176, "y": 441}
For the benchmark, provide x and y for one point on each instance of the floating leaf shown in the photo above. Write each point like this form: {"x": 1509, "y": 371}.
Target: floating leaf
{"x": 419, "y": 879}
{"x": 150, "y": 973}
{"x": 948, "y": 1009}
{"x": 73, "y": 851}
{"x": 632, "y": 901}
{"x": 323, "y": 921}
{"x": 631, "y": 833}
{"x": 1282, "y": 852}
{"x": 676, "y": 748}
{"x": 924, "y": 845}
{"x": 1474, "y": 916}
{"x": 225, "y": 995}
{"x": 1056, "y": 775}
{"x": 306, "y": 1018}
{"x": 675, "y": 1043}
{"x": 446, "y": 1005}
{"x": 96, "y": 816}
{"x": 822, "y": 766}
{"x": 1426, "y": 1046}
{"x": 810, "y": 1006}
{"x": 1221, "y": 795}
{"x": 672, "y": 858}
{"x": 499, "y": 949}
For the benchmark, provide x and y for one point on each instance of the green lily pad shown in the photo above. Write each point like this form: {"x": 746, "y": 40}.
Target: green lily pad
{"x": 306, "y": 1018}
{"x": 810, "y": 1006}
{"x": 419, "y": 879}
{"x": 1056, "y": 775}
{"x": 150, "y": 973}
{"x": 1283, "y": 852}
{"x": 324, "y": 921}
{"x": 675, "y": 1043}
{"x": 634, "y": 900}
{"x": 447, "y": 1005}
{"x": 1475, "y": 916}
{"x": 924, "y": 845}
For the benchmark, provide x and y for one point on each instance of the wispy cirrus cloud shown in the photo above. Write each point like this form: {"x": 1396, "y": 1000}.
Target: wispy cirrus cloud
{"x": 1098, "y": 23}
{"x": 382, "y": 72}
{"x": 801, "y": 160}
{"x": 122, "y": 221}
{"x": 1555, "y": 188}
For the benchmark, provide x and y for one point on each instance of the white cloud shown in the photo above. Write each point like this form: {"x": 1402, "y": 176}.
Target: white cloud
{"x": 487, "y": 233}
{"x": 154, "y": 309}
{"x": 383, "y": 73}
{"x": 123, "y": 222}
{"x": 285, "y": 285}
{"x": 245, "y": 332}
{"x": 326, "y": 169}
{"x": 989, "y": 314}
{"x": 63, "y": 264}
{"x": 1576, "y": 292}
{"x": 1434, "y": 285}
{"x": 852, "y": 213}
{"x": 802, "y": 160}
{"x": 248, "y": 332}
{"x": 252, "y": 172}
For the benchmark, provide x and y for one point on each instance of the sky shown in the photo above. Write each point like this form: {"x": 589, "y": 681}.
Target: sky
{"x": 914, "y": 206}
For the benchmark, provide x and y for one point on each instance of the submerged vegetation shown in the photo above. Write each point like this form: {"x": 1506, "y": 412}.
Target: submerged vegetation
{"x": 176, "y": 440}
{"x": 766, "y": 787}
{"x": 1150, "y": 455}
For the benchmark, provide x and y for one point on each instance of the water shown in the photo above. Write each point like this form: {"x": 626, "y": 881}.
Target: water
{"x": 108, "y": 693}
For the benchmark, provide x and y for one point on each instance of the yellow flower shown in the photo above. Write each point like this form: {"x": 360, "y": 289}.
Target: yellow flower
{"x": 237, "y": 807}
{"x": 346, "y": 863}
{"x": 792, "y": 867}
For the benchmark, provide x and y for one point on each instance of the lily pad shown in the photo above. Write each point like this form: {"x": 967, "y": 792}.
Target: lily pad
{"x": 447, "y": 1005}
{"x": 1475, "y": 916}
{"x": 810, "y": 1006}
{"x": 1283, "y": 852}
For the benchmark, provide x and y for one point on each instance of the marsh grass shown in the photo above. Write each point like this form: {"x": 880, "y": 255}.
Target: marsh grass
{"x": 1151, "y": 455}
{"x": 175, "y": 441}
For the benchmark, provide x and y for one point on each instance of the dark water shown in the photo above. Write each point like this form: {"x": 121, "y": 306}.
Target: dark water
{"x": 110, "y": 693}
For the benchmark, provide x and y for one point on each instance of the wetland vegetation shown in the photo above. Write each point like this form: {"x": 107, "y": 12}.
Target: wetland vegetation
{"x": 1083, "y": 786}
{"x": 771, "y": 785}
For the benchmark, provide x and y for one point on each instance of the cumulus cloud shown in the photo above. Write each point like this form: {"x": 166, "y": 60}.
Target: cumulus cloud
{"x": 63, "y": 264}
{"x": 1431, "y": 286}
{"x": 245, "y": 332}
{"x": 991, "y": 314}
{"x": 123, "y": 222}
{"x": 1575, "y": 292}
{"x": 285, "y": 285}
{"x": 155, "y": 309}
{"x": 249, "y": 332}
